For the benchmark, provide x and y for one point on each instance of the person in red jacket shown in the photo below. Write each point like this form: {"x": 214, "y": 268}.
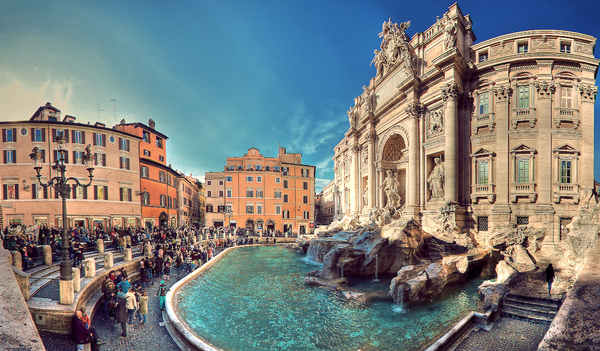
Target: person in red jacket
{"x": 82, "y": 334}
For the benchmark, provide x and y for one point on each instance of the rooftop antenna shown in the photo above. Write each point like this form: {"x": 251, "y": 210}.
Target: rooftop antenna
{"x": 99, "y": 110}
{"x": 113, "y": 100}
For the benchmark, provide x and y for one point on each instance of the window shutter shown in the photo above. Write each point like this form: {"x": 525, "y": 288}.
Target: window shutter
{"x": 14, "y": 134}
{"x": 83, "y": 137}
{"x": 121, "y": 162}
{"x": 5, "y": 151}
{"x": 55, "y": 155}
{"x": 94, "y": 138}
{"x": 75, "y": 157}
{"x": 85, "y": 193}
{"x": 73, "y": 135}
{"x": 55, "y": 194}
{"x": 67, "y": 135}
{"x": 54, "y": 135}
{"x": 105, "y": 192}
{"x": 128, "y": 145}
{"x": 3, "y": 135}
{"x": 5, "y": 191}
{"x": 45, "y": 193}
{"x": 104, "y": 159}
{"x": 95, "y": 190}
{"x": 127, "y": 162}
{"x": 44, "y": 134}
{"x": 121, "y": 194}
{"x": 66, "y": 157}
{"x": 32, "y": 134}
{"x": 16, "y": 192}
{"x": 104, "y": 140}
{"x": 34, "y": 191}
{"x": 129, "y": 195}
{"x": 120, "y": 143}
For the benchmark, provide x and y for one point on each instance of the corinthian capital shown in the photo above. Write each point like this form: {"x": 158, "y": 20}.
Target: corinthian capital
{"x": 450, "y": 91}
{"x": 413, "y": 110}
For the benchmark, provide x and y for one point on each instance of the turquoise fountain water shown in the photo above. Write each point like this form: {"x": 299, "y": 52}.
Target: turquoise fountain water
{"x": 255, "y": 298}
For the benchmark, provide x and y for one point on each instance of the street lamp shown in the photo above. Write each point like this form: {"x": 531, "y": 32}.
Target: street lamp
{"x": 61, "y": 184}
{"x": 228, "y": 214}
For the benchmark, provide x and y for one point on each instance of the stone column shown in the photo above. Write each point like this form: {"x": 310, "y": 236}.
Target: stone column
{"x": 90, "y": 267}
{"x": 128, "y": 255}
{"x": 148, "y": 250}
{"x": 108, "y": 261}
{"x": 371, "y": 142}
{"x": 17, "y": 260}
{"x": 450, "y": 95}
{"x": 47, "y": 255}
{"x": 76, "y": 279}
{"x": 65, "y": 292}
{"x": 413, "y": 154}
{"x": 100, "y": 246}
{"x": 127, "y": 240}
{"x": 354, "y": 178}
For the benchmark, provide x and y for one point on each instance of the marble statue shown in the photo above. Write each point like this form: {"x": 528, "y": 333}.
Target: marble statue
{"x": 436, "y": 180}
{"x": 450, "y": 29}
{"x": 436, "y": 122}
{"x": 391, "y": 187}
{"x": 366, "y": 196}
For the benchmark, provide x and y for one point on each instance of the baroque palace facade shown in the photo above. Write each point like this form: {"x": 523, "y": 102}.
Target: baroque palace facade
{"x": 495, "y": 132}
{"x": 128, "y": 189}
{"x": 262, "y": 193}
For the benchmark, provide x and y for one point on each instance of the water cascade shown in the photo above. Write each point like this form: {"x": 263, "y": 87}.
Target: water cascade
{"x": 376, "y": 268}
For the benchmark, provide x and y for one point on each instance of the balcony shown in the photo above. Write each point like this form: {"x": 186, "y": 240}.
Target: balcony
{"x": 565, "y": 190}
{"x": 566, "y": 115}
{"x": 523, "y": 190}
{"x": 482, "y": 191}
{"x": 481, "y": 121}
{"x": 520, "y": 115}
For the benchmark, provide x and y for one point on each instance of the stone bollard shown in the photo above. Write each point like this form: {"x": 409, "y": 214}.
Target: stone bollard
{"x": 90, "y": 267}
{"x": 127, "y": 240}
{"x": 76, "y": 279}
{"x": 100, "y": 246}
{"x": 108, "y": 261}
{"x": 128, "y": 255}
{"x": 148, "y": 250}
{"x": 47, "y": 255}
{"x": 286, "y": 234}
{"x": 10, "y": 260}
{"x": 17, "y": 260}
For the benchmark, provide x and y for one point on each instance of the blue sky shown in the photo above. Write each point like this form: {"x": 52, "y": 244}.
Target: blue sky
{"x": 219, "y": 77}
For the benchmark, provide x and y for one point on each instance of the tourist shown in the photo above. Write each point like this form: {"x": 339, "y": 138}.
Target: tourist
{"x": 144, "y": 274}
{"x": 124, "y": 286}
{"x": 162, "y": 291}
{"x": 121, "y": 312}
{"x": 131, "y": 304}
{"x": 158, "y": 265}
{"x": 142, "y": 312}
{"x": 108, "y": 290}
{"x": 549, "y": 277}
{"x": 88, "y": 325}
{"x": 167, "y": 269}
{"x": 83, "y": 335}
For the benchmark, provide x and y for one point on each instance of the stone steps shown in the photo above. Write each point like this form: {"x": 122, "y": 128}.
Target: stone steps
{"x": 536, "y": 309}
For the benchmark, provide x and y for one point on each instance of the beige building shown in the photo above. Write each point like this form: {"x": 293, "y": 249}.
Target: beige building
{"x": 326, "y": 203}
{"x": 189, "y": 201}
{"x": 495, "y": 132}
{"x": 111, "y": 199}
{"x": 214, "y": 185}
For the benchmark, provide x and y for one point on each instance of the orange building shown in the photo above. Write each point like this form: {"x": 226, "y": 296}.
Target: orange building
{"x": 269, "y": 193}
{"x": 190, "y": 200}
{"x": 158, "y": 180}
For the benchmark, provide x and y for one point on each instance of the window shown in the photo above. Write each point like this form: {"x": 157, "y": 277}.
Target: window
{"x": 80, "y": 193}
{"x": 78, "y": 137}
{"x": 220, "y": 182}
{"x": 565, "y": 171}
{"x": 285, "y": 197}
{"x": 286, "y": 214}
{"x": 125, "y": 194}
{"x": 209, "y": 208}
{"x": 249, "y": 209}
{"x": 483, "y": 56}
{"x": 258, "y": 167}
{"x": 482, "y": 223}
{"x": 10, "y": 156}
{"x": 229, "y": 179}
{"x": 259, "y": 193}
{"x": 162, "y": 177}
{"x": 277, "y": 209}
{"x": 285, "y": 184}
{"x": 565, "y": 48}
{"x": 209, "y": 182}
{"x": 229, "y": 193}
{"x": 259, "y": 209}
{"x": 145, "y": 199}
{"x": 249, "y": 179}
{"x": 100, "y": 192}
{"x": 522, "y": 48}
{"x": 147, "y": 153}
{"x": 276, "y": 168}
{"x": 267, "y": 168}
{"x": 57, "y": 156}
{"x": 259, "y": 179}
{"x": 145, "y": 172}
{"x": 523, "y": 96}
{"x": 124, "y": 144}
{"x": 220, "y": 193}
{"x": 78, "y": 157}
{"x": 278, "y": 194}
{"x": 305, "y": 199}
{"x": 161, "y": 158}
{"x": 483, "y": 170}
{"x": 566, "y": 97}
{"x": 9, "y": 135}
{"x": 285, "y": 170}
{"x": 249, "y": 193}
{"x": 37, "y": 134}
{"x": 99, "y": 139}
{"x": 522, "y": 220}
{"x": 305, "y": 172}
{"x": 221, "y": 208}
{"x": 306, "y": 215}
{"x": 11, "y": 191}
{"x": 146, "y": 137}
{"x": 159, "y": 143}
{"x": 522, "y": 171}
{"x": 39, "y": 192}
{"x": 124, "y": 163}
{"x": 209, "y": 193}
{"x": 484, "y": 103}
{"x": 163, "y": 201}
{"x": 169, "y": 179}
{"x": 277, "y": 180}
{"x": 305, "y": 185}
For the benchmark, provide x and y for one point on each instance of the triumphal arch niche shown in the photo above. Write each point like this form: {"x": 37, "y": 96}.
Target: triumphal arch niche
{"x": 488, "y": 134}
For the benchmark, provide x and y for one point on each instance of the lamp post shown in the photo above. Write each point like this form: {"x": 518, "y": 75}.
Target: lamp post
{"x": 228, "y": 214}
{"x": 61, "y": 184}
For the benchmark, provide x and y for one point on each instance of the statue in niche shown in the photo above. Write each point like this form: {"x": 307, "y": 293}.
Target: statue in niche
{"x": 380, "y": 62}
{"x": 436, "y": 180}
{"x": 351, "y": 117}
{"x": 365, "y": 155}
{"x": 450, "y": 29}
{"x": 365, "y": 196}
{"x": 391, "y": 187}
{"x": 436, "y": 122}
{"x": 368, "y": 99}
{"x": 394, "y": 48}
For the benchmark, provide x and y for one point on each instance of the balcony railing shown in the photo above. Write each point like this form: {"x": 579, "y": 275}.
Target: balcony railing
{"x": 566, "y": 115}
{"x": 523, "y": 115}
{"x": 482, "y": 191}
{"x": 484, "y": 120}
{"x": 565, "y": 190}
{"x": 523, "y": 190}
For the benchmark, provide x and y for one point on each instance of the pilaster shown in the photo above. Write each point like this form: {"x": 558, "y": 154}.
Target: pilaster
{"x": 450, "y": 96}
